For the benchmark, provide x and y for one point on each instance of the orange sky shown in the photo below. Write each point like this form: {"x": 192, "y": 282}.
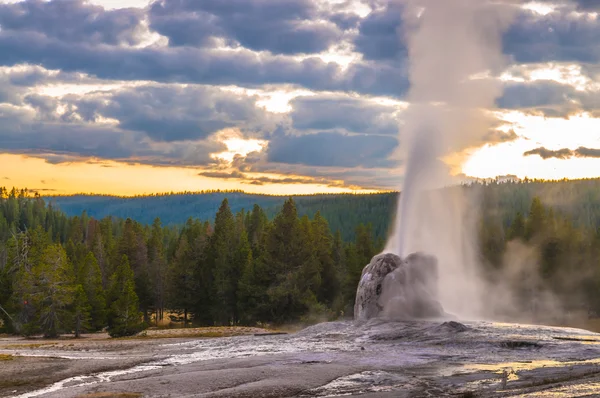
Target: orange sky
{"x": 126, "y": 180}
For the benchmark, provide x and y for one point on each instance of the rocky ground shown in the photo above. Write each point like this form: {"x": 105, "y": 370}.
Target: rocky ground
{"x": 378, "y": 359}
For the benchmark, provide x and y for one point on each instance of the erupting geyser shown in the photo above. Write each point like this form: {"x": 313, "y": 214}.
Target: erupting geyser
{"x": 455, "y": 53}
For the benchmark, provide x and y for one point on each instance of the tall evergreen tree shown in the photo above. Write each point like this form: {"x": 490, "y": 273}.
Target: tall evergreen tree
{"x": 227, "y": 272}
{"x": 81, "y": 313}
{"x": 53, "y": 288}
{"x": 91, "y": 280}
{"x": 125, "y": 318}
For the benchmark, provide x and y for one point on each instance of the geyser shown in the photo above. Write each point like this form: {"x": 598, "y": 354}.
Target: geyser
{"x": 454, "y": 51}
{"x": 398, "y": 289}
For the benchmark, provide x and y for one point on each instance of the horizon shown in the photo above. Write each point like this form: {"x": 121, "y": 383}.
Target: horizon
{"x": 469, "y": 182}
{"x": 144, "y": 100}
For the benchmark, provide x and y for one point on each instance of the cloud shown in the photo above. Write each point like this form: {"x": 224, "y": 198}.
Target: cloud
{"x": 222, "y": 174}
{"x": 379, "y": 34}
{"x": 200, "y": 65}
{"x": 564, "y": 153}
{"x": 332, "y": 149}
{"x": 64, "y": 138}
{"x": 174, "y": 113}
{"x": 262, "y": 180}
{"x": 556, "y": 36}
{"x": 584, "y": 152}
{"x": 73, "y": 21}
{"x": 281, "y": 27}
{"x": 343, "y": 112}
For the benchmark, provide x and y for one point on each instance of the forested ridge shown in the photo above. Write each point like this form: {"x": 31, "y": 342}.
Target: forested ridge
{"x": 578, "y": 198}
{"x": 71, "y": 274}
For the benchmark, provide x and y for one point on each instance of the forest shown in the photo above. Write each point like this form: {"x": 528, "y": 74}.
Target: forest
{"x": 75, "y": 274}
{"x": 580, "y": 199}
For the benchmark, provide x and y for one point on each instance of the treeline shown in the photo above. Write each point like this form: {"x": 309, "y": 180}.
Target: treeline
{"x": 548, "y": 265}
{"x": 62, "y": 274}
{"x": 343, "y": 212}
{"x": 579, "y": 199}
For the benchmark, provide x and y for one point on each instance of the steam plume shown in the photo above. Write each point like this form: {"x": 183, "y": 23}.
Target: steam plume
{"x": 454, "y": 47}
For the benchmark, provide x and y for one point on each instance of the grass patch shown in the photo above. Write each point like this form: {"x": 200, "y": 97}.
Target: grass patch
{"x": 6, "y": 357}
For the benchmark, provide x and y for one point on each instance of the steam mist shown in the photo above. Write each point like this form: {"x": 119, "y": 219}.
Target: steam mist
{"x": 453, "y": 47}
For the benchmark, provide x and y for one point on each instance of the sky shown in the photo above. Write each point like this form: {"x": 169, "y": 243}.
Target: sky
{"x": 275, "y": 96}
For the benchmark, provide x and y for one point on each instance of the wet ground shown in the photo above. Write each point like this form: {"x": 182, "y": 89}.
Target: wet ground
{"x": 378, "y": 359}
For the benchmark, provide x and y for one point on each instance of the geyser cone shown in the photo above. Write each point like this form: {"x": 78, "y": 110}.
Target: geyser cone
{"x": 394, "y": 288}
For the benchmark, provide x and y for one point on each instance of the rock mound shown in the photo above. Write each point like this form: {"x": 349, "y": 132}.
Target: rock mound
{"x": 395, "y": 288}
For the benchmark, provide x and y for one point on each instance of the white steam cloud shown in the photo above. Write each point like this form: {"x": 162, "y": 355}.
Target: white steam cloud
{"x": 454, "y": 47}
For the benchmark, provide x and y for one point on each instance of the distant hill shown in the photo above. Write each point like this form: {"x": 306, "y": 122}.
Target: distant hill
{"x": 344, "y": 212}
{"x": 579, "y": 199}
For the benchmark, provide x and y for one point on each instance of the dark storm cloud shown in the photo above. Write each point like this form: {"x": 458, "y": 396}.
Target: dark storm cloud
{"x": 342, "y": 112}
{"x": 564, "y": 153}
{"x": 332, "y": 149}
{"x": 72, "y": 21}
{"x": 278, "y": 26}
{"x": 175, "y": 113}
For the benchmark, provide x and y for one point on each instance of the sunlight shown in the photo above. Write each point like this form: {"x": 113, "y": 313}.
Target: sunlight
{"x": 237, "y": 145}
{"x": 571, "y": 74}
{"x": 539, "y": 8}
{"x": 272, "y": 100}
{"x": 584, "y": 130}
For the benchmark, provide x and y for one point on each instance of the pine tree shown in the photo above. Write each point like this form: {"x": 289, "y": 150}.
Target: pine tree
{"x": 53, "y": 291}
{"x": 157, "y": 267}
{"x": 133, "y": 244}
{"x": 81, "y": 311}
{"x": 125, "y": 318}
{"x": 329, "y": 285}
{"x": 181, "y": 285}
{"x": 91, "y": 280}
{"x": 536, "y": 220}
{"x": 517, "y": 228}
{"x": 226, "y": 271}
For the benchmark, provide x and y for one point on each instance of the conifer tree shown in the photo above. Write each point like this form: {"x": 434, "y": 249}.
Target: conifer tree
{"x": 517, "y": 228}
{"x": 322, "y": 239}
{"x": 125, "y": 318}
{"x": 181, "y": 279}
{"x": 81, "y": 311}
{"x": 91, "y": 280}
{"x": 536, "y": 220}
{"x": 53, "y": 288}
{"x": 157, "y": 267}
{"x": 226, "y": 271}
